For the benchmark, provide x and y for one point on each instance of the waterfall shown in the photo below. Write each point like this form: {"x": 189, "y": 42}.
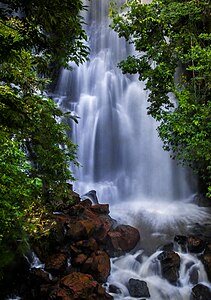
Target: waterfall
{"x": 119, "y": 148}
{"x": 121, "y": 157}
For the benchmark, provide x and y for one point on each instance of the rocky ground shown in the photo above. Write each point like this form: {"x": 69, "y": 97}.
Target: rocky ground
{"x": 76, "y": 257}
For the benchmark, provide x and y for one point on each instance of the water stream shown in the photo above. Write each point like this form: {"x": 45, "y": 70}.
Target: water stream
{"x": 123, "y": 160}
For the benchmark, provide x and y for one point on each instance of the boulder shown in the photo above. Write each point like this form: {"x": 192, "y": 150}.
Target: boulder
{"x": 201, "y": 292}
{"x": 122, "y": 239}
{"x": 61, "y": 294}
{"x": 78, "y": 286}
{"x": 170, "y": 263}
{"x": 56, "y": 263}
{"x": 87, "y": 246}
{"x": 195, "y": 244}
{"x": 98, "y": 265}
{"x": 138, "y": 288}
{"x": 103, "y": 223}
{"x": 101, "y": 209}
{"x": 206, "y": 260}
{"x": 114, "y": 289}
{"x": 79, "y": 260}
{"x": 39, "y": 276}
{"x": 182, "y": 241}
{"x": 80, "y": 230}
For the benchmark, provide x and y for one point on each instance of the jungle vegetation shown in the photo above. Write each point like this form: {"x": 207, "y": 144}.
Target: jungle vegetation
{"x": 172, "y": 39}
{"x": 36, "y": 37}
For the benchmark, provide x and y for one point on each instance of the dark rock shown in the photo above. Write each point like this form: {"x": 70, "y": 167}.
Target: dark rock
{"x": 168, "y": 247}
{"x": 194, "y": 276}
{"x": 114, "y": 289}
{"x": 79, "y": 260}
{"x": 206, "y": 260}
{"x": 86, "y": 203}
{"x": 76, "y": 210}
{"x": 39, "y": 276}
{"x": 87, "y": 246}
{"x": 91, "y": 195}
{"x": 138, "y": 288}
{"x": 59, "y": 294}
{"x": 56, "y": 263}
{"x": 101, "y": 209}
{"x": 182, "y": 241}
{"x": 122, "y": 239}
{"x": 200, "y": 292}
{"x": 195, "y": 244}
{"x": 170, "y": 263}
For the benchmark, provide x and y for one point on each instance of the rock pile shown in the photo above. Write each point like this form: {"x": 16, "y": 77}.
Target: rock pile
{"x": 77, "y": 253}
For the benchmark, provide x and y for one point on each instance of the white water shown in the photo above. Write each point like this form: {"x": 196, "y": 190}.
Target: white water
{"x": 123, "y": 160}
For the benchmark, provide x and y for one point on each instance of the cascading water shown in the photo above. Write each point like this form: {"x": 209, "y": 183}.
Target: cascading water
{"x": 122, "y": 157}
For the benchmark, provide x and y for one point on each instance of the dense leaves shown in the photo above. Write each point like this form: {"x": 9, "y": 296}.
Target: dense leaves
{"x": 35, "y": 151}
{"x": 172, "y": 39}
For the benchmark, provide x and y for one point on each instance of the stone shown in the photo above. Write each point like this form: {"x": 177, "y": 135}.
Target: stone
{"x": 122, "y": 239}
{"x": 182, "y": 241}
{"x": 79, "y": 260}
{"x": 170, "y": 264}
{"x": 87, "y": 246}
{"x": 60, "y": 294}
{"x": 206, "y": 260}
{"x": 80, "y": 286}
{"x": 80, "y": 230}
{"x": 56, "y": 263}
{"x": 39, "y": 276}
{"x": 114, "y": 289}
{"x": 98, "y": 265}
{"x": 201, "y": 292}
{"x": 86, "y": 203}
{"x": 195, "y": 244}
{"x": 138, "y": 288}
{"x": 102, "y": 209}
{"x": 91, "y": 195}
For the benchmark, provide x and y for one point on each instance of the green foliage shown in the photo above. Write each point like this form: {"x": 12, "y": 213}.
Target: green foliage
{"x": 18, "y": 189}
{"x": 50, "y": 28}
{"x": 35, "y": 151}
{"x": 172, "y": 39}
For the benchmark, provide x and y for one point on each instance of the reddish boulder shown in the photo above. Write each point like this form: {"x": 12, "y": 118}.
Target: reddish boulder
{"x": 98, "y": 264}
{"x": 61, "y": 294}
{"x": 101, "y": 209}
{"x": 122, "y": 239}
{"x": 79, "y": 260}
{"x": 79, "y": 286}
{"x": 87, "y": 246}
{"x": 80, "y": 230}
{"x": 56, "y": 263}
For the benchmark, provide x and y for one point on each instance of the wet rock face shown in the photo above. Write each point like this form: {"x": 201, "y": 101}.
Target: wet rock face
{"x": 206, "y": 259}
{"x": 122, "y": 239}
{"x": 78, "y": 286}
{"x": 201, "y": 292}
{"x": 170, "y": 263}
{"x": 195, "y": 244}
{"x": 138, "y": 288}
{"x": 56, "y": 263}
